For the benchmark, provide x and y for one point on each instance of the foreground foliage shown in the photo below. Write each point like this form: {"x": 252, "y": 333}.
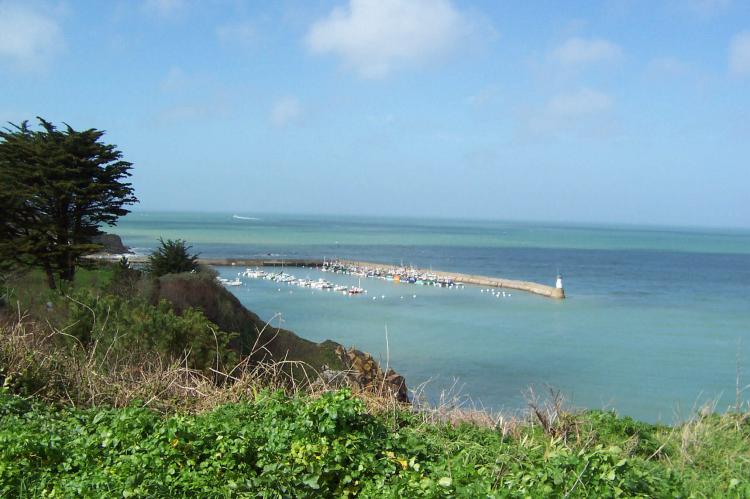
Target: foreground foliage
{"x": 274, "y": 445}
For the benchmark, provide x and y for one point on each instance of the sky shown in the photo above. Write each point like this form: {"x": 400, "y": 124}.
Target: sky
{"x": 611, "y": 111}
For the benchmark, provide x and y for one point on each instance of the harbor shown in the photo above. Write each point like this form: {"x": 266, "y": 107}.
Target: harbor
{"x": 398, "y": 273}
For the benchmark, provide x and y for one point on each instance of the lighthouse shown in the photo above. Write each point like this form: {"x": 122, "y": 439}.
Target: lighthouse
{"x": 558, "y": 292}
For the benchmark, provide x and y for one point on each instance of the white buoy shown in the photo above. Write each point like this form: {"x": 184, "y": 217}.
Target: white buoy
{"x": 382, "y": 297}
{"x": 414, "y": 296}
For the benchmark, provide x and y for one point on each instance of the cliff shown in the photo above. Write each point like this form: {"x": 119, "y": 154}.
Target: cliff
{"x": 263, "y": 341}
{"x": 111, "y": 244}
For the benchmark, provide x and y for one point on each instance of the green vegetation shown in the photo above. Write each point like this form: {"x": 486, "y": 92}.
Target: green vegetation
{"x": 172, "y": 257}
{"x": 58, "y": 188}
{"x": 275, "y": 445}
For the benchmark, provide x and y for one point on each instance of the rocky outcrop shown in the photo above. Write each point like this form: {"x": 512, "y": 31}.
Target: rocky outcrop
{"x": 366, "y": 373}
{"x": 111, "y": 244}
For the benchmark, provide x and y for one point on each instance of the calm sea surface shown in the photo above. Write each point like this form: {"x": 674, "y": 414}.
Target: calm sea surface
{"x": 657, "y": 320}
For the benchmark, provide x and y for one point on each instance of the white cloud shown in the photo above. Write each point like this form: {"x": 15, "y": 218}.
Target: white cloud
{"x": 28, "y": 39}
{"x": 739, "y": 54}
{"x": 376, "y": 36}
{"x": 582, "y": 111}
{"x": 285, "y": 112}
{"x": 581, "y": 51}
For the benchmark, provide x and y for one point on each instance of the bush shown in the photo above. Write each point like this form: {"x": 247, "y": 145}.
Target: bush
{"x": 125, "y": 278}
{"x": 172, "y": 257}
{"x": 125, "y": 327}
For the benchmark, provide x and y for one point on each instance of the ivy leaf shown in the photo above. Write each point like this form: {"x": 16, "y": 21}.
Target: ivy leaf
{"x": 446, "y": 481}
{"x": 312, "y": 482}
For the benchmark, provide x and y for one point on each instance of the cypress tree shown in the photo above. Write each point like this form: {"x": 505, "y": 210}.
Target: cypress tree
{"x": 57, "y": 188}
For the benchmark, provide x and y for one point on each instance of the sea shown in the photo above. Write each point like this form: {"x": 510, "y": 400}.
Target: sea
{"x": 656, "y": 323}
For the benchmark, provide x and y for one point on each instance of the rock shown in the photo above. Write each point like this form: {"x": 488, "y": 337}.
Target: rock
{"x": 112, "y": 244}
{"x": 366, "y": 373}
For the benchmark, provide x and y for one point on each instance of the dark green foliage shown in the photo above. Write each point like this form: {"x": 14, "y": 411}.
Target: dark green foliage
{"x": 129, "y": 326}
{"x": 172, "y": 257}
{"x": 58, "y": 188}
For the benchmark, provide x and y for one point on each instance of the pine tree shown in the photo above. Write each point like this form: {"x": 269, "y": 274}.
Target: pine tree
{"x": 172, "y": 257}
{"x": 57, "y": 188}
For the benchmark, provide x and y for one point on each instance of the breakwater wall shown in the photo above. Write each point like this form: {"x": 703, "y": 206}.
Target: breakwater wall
{"x": 476, "y": 280}
{"x": 479, "y": 280}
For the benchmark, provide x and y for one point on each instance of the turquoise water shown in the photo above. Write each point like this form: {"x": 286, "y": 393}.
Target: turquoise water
{"x": 657, "y": 320}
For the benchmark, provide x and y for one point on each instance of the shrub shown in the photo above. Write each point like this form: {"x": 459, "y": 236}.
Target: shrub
{"x": 127, "y": 326}
{"x": 125, "y": 278}
{"x": 172, "y": 257}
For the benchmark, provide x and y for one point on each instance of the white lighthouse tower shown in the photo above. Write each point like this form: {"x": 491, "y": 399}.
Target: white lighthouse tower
{"x": 558, "y": 283}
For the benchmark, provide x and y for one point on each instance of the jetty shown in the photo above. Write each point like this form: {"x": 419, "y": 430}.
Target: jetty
{"x": 478, "y": 280}
{"x": 556, "y": 292}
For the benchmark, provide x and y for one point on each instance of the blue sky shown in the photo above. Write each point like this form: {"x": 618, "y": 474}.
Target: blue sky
{"x": 619, "y": 111}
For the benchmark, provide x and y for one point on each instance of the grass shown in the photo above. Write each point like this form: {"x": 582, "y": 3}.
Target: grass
{"x": 29, "y": 293}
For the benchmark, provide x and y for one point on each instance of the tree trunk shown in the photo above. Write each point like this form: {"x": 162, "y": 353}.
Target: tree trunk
{"x": 50, "y": 277}
{"x": 69, "y": 267}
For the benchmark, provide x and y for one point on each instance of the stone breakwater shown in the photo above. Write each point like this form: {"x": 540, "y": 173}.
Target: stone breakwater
{"x": 476, "y": 280}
